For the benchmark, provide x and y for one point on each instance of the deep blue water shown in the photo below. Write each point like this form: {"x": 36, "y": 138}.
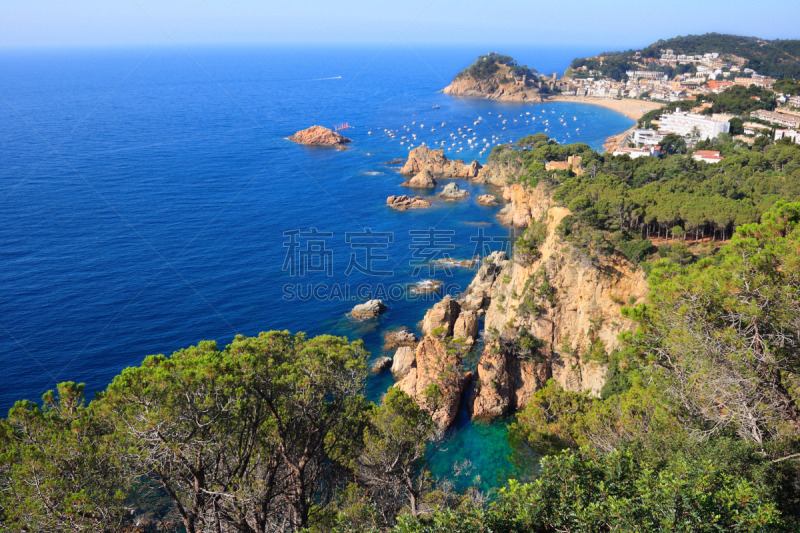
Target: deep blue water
{"x": 147, "y": 200}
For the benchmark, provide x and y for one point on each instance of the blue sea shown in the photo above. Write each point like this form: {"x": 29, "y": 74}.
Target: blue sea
{"x": 149, "y": 199}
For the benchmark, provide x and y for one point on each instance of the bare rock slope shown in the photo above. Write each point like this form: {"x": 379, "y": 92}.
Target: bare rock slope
{"x": 567, "y": 301}
{"x": 493, "y": 90}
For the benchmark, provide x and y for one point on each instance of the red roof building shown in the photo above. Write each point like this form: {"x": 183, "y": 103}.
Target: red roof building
{"x": 707, "y": 156}
{"x": 714, "y": 84}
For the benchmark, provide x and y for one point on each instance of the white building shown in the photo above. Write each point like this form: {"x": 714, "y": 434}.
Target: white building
{"x": 642, "y": 137}
{"x": 794, "y": 135}
{"x": 753, "y": 128}
{"x": 786, "y": 120}
{"x": 636, "y": 153}
{"x": 707, "y": 156}
{"x": 646, "y": 74}
{"x": 683, "y": 124}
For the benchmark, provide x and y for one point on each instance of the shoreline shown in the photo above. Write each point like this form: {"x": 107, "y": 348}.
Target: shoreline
{"x": 612, "y": 143}
{"x": 634, "y": 109}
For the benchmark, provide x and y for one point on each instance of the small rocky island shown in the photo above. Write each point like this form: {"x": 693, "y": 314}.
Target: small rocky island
{"x": 370, "y": 309}
{"x": 401, "y": 203}
{"x": 452, "y": 193}
{"x": 487, "y": 200}
{"x": 319, "y": 136}
{"x": 496, "y": 77}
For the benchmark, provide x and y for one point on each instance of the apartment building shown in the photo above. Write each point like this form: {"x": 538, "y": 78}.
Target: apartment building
{"x": 782, "y": 119}
{"x": 684, "y": 124}
{"x": 636, "y": 153}
{"x": 788, "y": 134}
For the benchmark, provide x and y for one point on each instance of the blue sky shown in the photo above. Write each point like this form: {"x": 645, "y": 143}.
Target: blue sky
{"x": 617, "y": 24}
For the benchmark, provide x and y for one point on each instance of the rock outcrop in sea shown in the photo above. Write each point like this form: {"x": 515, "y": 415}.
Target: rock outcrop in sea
{"x": 403, "y": 202}
{"x": 487, "y": 200}
{"x": 369, "y": 309}
{"x": 436, "y": 380}
{"x": 422, "y": 180}
{"x": 426, "y": 286}
{"x": 399, "y": 337}
{"x": 319, "y": 136}
{"x": 403, "y": 361}
{"x": 380, "y": 364}
{"x": 452, "y": 193}
{"x": 422, "y": 159}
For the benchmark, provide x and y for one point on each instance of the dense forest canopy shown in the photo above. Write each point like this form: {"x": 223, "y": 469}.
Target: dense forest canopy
{"x": 777, "y": 58}
{"x": 620, "y": 204}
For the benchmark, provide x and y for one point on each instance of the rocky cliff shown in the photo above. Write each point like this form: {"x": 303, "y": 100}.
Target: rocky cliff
{"x": 436, "y": 380}
{"x": 493, "y": 89}
{"x": 500, "y": 86}
{"x": 496, "y": 77}
{"x": 523, "y": 204}
{"x": 556, "y": 316}
{"x": 502, "y": 168}
{"x": 504, "y": 381}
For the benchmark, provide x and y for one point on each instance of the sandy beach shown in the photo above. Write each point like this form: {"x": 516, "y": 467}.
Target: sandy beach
{"x": 629, "y": 107}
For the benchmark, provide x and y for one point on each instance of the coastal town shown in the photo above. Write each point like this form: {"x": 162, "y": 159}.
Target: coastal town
{"x": 710, "y": 73}
{"x": 673, "y": 96}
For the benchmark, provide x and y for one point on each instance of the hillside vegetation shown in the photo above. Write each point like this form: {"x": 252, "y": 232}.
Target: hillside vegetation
{"x": 777, "y": 58}
{"x": 492, "y": 64}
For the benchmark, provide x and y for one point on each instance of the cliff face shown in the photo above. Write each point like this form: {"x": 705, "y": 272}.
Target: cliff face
{"x": 569, "y": 303}
{"x": 435, "y": 365}
{"x": 497, "y": 174}
{"x": 504, "y": 382}
{"x": 493, "y": 89}
{"x": 423, "y": 159}
{"x": 555, "y": 315}
{"x": 524, "y": 205}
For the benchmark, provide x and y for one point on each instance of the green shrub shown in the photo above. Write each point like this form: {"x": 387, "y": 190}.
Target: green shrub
{"x": 636, "y": 250}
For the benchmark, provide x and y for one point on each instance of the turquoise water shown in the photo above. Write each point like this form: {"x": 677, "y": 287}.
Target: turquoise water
{"x": 146, "y": 199}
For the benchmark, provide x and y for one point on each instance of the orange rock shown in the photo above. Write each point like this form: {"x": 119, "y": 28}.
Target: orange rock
{"x": 401, "y": 203}
{"x": 504, "y": 382}
{"x": 423, "y": 158}
{"x": 435, "y": 366}
{"x": 319, "y": 136}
